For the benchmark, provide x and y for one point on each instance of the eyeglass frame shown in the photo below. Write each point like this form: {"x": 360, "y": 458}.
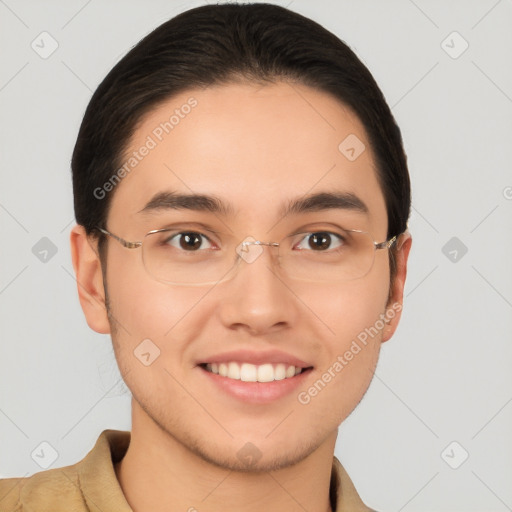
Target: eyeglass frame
{"x": 386, "y": 244}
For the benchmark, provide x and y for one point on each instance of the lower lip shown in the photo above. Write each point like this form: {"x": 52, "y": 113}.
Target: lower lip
{"x": 257, "y": 392}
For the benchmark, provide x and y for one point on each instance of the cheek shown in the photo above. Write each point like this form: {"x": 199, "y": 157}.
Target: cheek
{"x": 347, "y": 310}
{"x": 148, "y": 310}
{"x": 350, "y": 351}
{"x": 352, "y": 323}
{"x": 153, "y": 328}
{"x": 146, "y": 307}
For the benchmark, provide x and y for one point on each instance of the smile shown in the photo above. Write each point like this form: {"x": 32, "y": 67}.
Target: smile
{"x": 248, "y": 372}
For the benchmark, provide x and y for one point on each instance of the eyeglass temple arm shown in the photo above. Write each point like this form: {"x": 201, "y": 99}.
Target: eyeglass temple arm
{"x": 388, "y": 243}
{"x": 124, "y": 243}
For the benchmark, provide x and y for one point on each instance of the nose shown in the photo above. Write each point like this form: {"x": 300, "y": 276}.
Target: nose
{"x": 258, "y": 297}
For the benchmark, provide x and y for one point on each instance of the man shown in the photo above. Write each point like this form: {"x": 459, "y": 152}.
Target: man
{"x": 242, "y": 197}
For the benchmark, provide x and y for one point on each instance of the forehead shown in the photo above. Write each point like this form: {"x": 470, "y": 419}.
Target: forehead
{"x": 255, "y": 147}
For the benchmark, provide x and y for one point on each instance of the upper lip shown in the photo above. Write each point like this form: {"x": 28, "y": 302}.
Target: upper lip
{"x": 256, "y": 358}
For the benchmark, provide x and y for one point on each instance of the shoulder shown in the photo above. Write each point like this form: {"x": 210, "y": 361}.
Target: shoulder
{"x": 344, "y": 495}
{"x": 52, "y": 490}
{"x": 91, "y": 481}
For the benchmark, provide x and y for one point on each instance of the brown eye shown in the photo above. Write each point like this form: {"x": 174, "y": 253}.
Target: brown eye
{"x": 320, "y": 241}
{"x": 189, "y": 241}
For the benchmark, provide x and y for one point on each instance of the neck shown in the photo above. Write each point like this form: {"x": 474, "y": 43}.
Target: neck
{"x": 159, "y": 473}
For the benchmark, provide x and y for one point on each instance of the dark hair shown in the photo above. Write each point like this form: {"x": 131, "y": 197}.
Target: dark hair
{"x": 220, "y": 44}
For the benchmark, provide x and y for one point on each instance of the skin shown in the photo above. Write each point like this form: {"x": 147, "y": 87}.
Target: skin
{"x": 283, "y": 143}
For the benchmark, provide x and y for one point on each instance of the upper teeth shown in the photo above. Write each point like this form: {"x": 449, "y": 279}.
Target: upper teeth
{"x": 254, "y": 373}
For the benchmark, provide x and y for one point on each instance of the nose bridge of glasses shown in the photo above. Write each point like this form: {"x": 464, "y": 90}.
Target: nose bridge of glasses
{"x": 246, "y": 243}
{"x": 250, "y": 245}
{"x": 249, "y": 250}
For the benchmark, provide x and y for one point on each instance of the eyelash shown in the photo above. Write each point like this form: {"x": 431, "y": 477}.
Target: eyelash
{"x": 306, "y": 235}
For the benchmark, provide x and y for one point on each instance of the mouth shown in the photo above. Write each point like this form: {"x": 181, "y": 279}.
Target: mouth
{"x": 248, "y": 372}
{"x": 254, "y": 377}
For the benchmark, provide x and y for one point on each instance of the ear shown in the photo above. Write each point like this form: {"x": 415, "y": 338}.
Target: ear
{"x": 89, "y": 279}
{"x": 395, "y": 302}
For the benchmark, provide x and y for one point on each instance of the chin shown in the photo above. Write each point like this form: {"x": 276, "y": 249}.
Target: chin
{"x": 242, "y": 455}
{"x": 245, "y": 446}
{"x": 250, "y": 459}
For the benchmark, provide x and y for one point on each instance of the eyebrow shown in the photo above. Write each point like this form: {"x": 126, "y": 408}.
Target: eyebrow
{"x": 320, "y": 201}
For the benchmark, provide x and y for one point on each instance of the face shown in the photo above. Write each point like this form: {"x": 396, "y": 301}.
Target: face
{"x": 255, "y": 149}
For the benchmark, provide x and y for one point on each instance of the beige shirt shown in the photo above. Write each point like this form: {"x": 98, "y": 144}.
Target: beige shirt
{"x": 91, "y": 485}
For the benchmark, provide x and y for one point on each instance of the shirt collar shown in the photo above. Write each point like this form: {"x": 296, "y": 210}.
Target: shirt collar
{"x": 101, "y": 489}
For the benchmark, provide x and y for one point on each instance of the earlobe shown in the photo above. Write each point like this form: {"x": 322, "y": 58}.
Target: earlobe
{"x": 89, "y": 279}
{"x": 395, "y": 302}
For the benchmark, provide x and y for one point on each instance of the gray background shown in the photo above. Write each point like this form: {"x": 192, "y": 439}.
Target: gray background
{"x": 444, "y": 377}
